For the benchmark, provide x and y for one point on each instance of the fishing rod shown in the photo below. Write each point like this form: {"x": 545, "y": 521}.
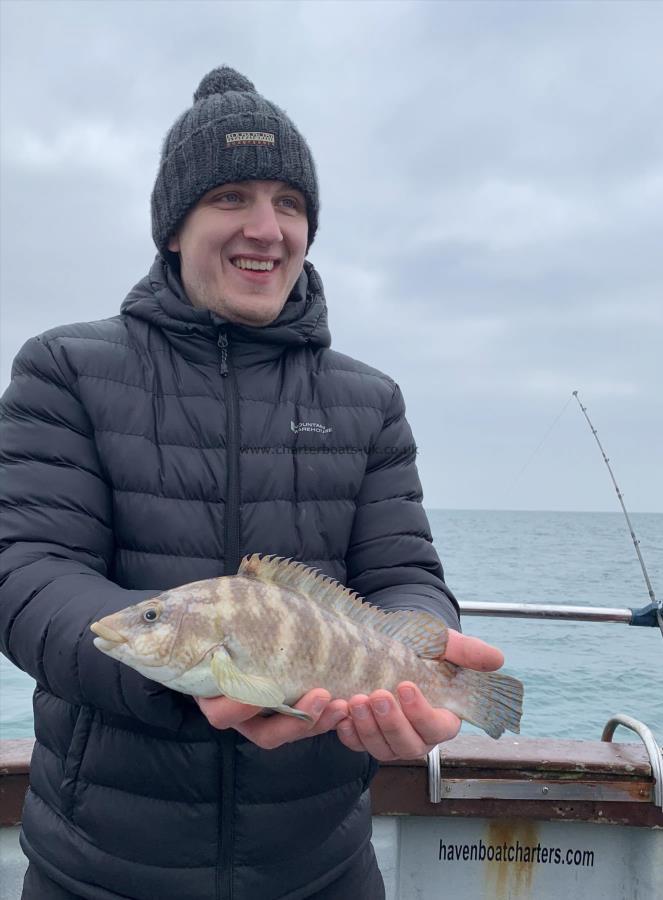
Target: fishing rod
{"x": 656, "y": 606}
{"x": 650, "y": 615}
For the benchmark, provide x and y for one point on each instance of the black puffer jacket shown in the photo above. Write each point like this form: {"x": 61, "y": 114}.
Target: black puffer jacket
{"x": 154, "y": 449}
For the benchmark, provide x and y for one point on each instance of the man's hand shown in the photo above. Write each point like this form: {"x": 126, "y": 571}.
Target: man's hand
{"x": 387, "y": 730}
{"x": 272, "y": 731}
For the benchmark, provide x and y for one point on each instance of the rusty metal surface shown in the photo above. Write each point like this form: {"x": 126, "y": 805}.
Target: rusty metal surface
{"x": 401, "y": 788}
{"x": 525, "y": 788}
{"x": 516, "y": 878}
{"x": 545, "y": 755}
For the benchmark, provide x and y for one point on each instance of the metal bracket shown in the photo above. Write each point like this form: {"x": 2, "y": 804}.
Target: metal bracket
{"x": 653, "y": 750}
{"x": 434, "y": 775}
{"x": 646, "y": 615}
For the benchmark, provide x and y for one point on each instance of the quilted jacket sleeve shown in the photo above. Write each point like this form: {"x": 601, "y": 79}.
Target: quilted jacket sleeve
{"x": 56, "y": 544}
{"x": 391, "y": 559}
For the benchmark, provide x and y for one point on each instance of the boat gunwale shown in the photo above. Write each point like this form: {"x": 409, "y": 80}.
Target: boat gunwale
{"x": 401, "y": 787}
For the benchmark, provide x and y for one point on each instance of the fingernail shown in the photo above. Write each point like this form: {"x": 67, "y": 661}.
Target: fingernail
{"x": 406, "y": 694}
{"x": 318, "y": 705}
{"x": 360, "y": 711}
{"x": 381, "y": 707}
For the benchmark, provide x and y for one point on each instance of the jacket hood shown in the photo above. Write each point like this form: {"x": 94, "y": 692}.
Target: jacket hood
{"x": 159, "y": 298}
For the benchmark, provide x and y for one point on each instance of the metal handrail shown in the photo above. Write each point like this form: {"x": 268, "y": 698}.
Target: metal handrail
{"x": 647, "y": 615}
{"x": 647, "y": 738}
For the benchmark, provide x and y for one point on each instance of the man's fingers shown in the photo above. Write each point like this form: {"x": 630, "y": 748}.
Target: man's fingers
{"x": 432, "y": 724}
{"x": 331, "y": 716}
{"x": 347, "y": 735}
{"x": 276, "y": 730}
{"x": 472, "y": 653}
{"x": 221, "y": 712}
{"x": 368, "y": 729}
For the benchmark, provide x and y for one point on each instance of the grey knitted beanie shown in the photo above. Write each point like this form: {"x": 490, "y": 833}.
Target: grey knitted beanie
{"x": 231, "y": 133}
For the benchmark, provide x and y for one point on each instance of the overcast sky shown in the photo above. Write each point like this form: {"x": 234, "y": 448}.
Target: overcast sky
{"x": 491, "y": 228}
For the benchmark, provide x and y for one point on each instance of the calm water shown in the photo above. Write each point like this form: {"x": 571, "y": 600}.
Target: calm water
{"x": 576, "y": 675}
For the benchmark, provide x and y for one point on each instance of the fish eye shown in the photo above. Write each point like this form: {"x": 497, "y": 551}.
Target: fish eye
{"x": 151, "y": 614}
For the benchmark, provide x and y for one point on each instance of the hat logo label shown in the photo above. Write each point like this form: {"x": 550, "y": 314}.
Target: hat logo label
{"x": 242, "y": 138}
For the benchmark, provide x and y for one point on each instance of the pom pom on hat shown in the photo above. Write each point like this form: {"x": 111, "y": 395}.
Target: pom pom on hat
{"x": 222, "y": 80}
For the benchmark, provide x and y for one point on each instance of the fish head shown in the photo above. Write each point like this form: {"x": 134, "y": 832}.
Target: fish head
{"x": 144, "y": 636}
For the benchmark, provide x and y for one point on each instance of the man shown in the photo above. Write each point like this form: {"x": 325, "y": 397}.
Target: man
{"x": 145, "y": 452}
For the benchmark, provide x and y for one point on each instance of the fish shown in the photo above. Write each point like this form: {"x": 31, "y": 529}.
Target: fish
{"x": 279, "y": 628}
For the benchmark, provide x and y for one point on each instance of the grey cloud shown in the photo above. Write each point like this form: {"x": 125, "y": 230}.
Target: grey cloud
{"x": 491, "y": 182}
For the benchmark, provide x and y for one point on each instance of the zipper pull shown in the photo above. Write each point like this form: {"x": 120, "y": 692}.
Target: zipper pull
{"x": 222, "y": 344}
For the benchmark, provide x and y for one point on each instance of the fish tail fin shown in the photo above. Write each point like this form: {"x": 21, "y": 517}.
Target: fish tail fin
{"x": 489, "y": 700}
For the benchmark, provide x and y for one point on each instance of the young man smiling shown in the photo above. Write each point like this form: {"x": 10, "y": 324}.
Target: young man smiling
{"x": 242, "y": 249}
{"x": 129, "y": 444}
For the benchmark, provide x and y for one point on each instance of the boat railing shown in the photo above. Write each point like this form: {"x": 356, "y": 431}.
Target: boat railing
{"x": 653, "y": 750}
{"x": 645, "y": 616}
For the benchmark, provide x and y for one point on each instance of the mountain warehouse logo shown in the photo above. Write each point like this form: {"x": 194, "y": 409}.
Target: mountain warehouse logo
{"x": 262, "y": 138}
{"x": 315, "y": 427}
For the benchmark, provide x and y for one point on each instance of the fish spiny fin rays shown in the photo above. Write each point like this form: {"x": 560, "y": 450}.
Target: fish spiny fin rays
{"x": 423, "y": 633}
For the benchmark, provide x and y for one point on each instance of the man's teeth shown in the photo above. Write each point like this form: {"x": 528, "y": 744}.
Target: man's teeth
{"x": 258, "y": 265}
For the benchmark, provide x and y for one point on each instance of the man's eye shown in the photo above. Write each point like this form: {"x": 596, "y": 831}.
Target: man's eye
{"x": 290, "y": 202}
{"x": 229, "y": 197}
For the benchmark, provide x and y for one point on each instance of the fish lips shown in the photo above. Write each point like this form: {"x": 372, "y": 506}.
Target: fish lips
{"x": 107, "y": 638}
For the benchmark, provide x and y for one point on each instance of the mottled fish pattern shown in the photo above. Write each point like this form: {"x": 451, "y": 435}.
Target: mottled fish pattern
{"x": 278, "y": 628}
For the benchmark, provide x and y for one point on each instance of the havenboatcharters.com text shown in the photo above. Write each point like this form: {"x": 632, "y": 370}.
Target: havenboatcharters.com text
{"x": 514, "y": 853}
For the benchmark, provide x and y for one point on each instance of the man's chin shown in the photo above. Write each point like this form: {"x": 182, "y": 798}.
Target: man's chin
{"x": 255, "y": 314}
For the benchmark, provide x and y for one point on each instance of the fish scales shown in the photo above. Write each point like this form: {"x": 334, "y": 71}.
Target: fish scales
{"x": 277, "y": 629}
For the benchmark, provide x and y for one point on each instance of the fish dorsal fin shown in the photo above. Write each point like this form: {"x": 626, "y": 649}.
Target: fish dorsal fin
{"x": 422, "y": 632}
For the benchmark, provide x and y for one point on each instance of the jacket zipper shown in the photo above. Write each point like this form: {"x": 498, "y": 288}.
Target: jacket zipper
{"x": 231, "y": 532}
{"x": 224, "y": 880}
{"x": 227, "y": 739}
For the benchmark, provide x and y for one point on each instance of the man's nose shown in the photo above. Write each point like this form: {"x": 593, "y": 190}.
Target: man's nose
{"x": 262, "y": 224}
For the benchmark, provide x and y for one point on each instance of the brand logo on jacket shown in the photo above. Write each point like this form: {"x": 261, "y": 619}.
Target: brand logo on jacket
{"x": 255, "y": 138}
{"x": 314, "y": 427}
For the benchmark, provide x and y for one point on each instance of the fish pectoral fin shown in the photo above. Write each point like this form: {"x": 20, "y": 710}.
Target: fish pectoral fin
{"x": 238, "y": 685}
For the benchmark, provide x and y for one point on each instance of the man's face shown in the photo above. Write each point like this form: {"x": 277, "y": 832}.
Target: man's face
{"x": 228, "y": 235}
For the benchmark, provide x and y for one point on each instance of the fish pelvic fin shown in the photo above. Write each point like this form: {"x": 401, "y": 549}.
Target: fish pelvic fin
{"x": 295, "y": 713}
{"x": 489, "y": 700}
{"x": 425, "y": 634}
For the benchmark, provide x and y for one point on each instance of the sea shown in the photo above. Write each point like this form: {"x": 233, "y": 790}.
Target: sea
{"x": 577, "y": 675}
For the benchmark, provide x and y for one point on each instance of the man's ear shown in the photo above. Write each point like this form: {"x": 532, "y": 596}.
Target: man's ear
{"x": 174, "y": 243}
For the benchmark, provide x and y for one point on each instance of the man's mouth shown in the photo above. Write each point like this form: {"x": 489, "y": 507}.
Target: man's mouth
{"x": 255, "y": 265}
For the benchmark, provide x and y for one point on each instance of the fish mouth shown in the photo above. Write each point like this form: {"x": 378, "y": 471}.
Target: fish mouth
{"x": 108, "y": 637}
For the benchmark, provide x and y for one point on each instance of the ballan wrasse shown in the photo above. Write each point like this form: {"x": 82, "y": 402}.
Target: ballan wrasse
{"x": 277, "y": 629}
